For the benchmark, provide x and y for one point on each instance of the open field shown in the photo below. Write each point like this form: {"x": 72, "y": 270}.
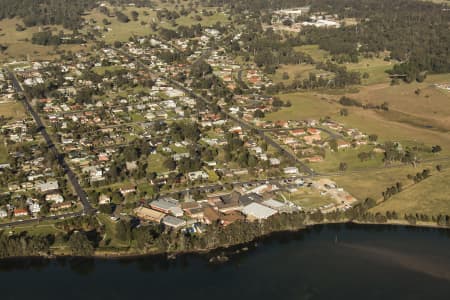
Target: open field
{"x": 348, "y": 156}
{"x": 13, "y": 110}
{"x": 20, "y": 46}
{"x": 156, "y": 163}
{"x": 3, "y": 152}
{"x": 371, "y": 183}
{"x": 122, "y": 31}
{"x": 430, "y": 196}
{"x": 430, "y": 106}
{"x": 308, "y": 199}
{"x": 119, "y": 31}
{"x": 314, "y": 51}
{"x": 295, "y": 72}
{"x": 304, "y": 106}
{"x": 102, "y": 70}
{"x": 375, "y": 67}
{"x": 408, "y": 120}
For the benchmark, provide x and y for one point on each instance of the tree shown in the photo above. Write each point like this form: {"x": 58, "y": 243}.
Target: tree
{"x": 373, "y": 137}
{"x": 170, "y": 164}
{"x": 80, "y": 245}
{"x": 344, "y": 112}
{"x": 134, "y": 15}
{"x": 343, "y": 166}
{"x": 106, "y": 209}
{"x": 436, "y": 149}
{"x": 333, "y": 145}
{"x": 258, "y": 114}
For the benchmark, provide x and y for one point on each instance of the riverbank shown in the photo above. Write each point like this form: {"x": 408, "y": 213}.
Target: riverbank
{"x": 125, "y": 255}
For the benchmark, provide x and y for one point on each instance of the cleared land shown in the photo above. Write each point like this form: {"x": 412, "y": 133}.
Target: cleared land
{"x": 314, "y": 51}
{"x": 430, "y": 196}
{"x": 407, "y": 121}
{"x": 372, "y": 182}
{"x": 13, "y": 110}
{"x": 375, "y": 67}
{"x": 307, "y": 199}
{"x": 20, "y": 46}
{"x": 419, "y": 102}
{"x": 119, "y": 31}
{"x": 348, "y": 156}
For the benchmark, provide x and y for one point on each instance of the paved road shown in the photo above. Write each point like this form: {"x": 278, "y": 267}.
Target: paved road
{"x": 88, "y": 209}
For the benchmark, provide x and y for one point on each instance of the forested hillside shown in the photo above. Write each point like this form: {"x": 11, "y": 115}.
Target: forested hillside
{"x": 53, "y": 12}
{"x": 415, "y": 32}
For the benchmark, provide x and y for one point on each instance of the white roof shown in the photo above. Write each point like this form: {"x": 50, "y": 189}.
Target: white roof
{"x": 258, "y": 211}
{"x": 273, "y": 203}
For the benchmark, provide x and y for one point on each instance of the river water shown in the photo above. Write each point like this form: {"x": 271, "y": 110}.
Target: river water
{"x": 323, "y": 262}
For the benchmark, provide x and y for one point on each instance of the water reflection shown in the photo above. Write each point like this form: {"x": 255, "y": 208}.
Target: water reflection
{"x": 409, "y": 263}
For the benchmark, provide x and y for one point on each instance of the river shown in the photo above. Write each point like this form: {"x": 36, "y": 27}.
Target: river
{"x": 323, "y": 262}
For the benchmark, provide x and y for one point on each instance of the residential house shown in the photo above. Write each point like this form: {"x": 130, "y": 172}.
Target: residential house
{"x": 127, "y": 190}
{"x": 54, "y": 197}
{"x": 290, "y": 170}
{"x": 104, "y": 199}
{"x": 18, "y": 212}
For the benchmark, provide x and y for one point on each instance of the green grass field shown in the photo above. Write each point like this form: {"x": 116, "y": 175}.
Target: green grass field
{"x": 372, "y": 182}
{"x": 14, "y": 110}
{"x": 123, "y": 31}
{"x": 375, "y": 67}
{"x": 350, "y": 157}
{"x": 156, "y": 163}
{"x": 307, "y": 198}
{"x": 314, "y": 51}
{"x": 431, "y": 106}
{"x": 430, "y": 196}
{"x": 20, "y": 46}
{"x": 305, "y": 105}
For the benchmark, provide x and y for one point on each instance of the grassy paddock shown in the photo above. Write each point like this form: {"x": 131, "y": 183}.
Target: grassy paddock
{"x": 430, "y": 196}
{"x": 371, "y": 183}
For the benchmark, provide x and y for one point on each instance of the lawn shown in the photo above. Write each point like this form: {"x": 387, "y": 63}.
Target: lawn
{"x": 307, "y": 198}
{"x": 102, "y": 70}
{"x": 156, "y": 163}
{"x": 110, "y": 231}
{"x": 3, "y": 152}
{"x": 430, "y": 196}
{"x": 13, "y": 110}
{"x": 44, "y": 228}
{"x": 350, "y": 157}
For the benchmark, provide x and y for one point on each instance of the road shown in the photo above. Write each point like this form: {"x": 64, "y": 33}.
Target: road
{"x": 88, "y": 209}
